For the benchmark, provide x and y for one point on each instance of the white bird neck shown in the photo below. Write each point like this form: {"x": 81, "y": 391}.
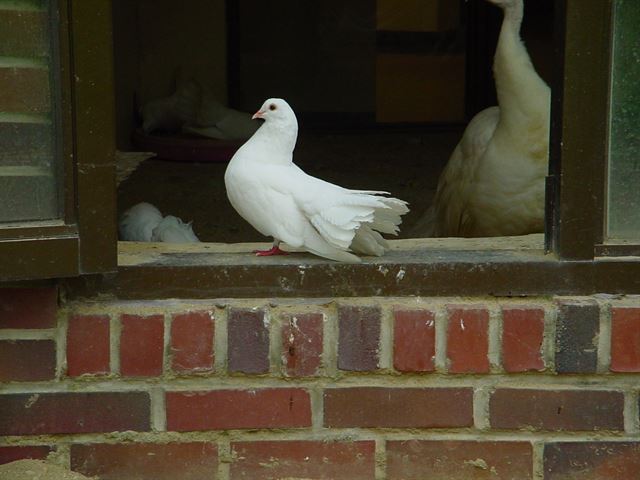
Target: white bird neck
{"x": 279, "y": 138}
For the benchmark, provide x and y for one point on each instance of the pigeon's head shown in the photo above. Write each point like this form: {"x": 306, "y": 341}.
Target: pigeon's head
{"x": 276, "y": 110}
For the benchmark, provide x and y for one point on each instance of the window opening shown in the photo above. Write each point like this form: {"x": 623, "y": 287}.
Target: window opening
{"x": 382, "y": 89}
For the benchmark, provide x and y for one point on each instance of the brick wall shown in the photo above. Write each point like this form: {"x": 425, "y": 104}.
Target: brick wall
{"x": 360, "y": 388}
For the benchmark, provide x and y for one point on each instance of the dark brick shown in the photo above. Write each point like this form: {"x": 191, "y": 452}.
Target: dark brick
{"x": 26, "y": 90}
{"x": 414, "y": 345}
{"x": 557, "y": 410}
{"x": 238, "y": 409}
{"x": 302, "y": 344}
{"x": 28, "y": 307}
{"x": 192, "y": 342}
{"x": 11, "y": 454}
{"x": 359, "y": 338}
{"x": 248, "y": 341}
{"x": 147, "y": 461}
{"x": 578, "y": 326}
{"x": 88, "y": 345}
{"x": 372, "y": 407}
{"x": 141, "y": 345}
{"x": 23, "y": 33}
{"x": 468, "y": 340}
{"x": 459, "y": 460}
{"x": 592, "y": 461}
{"x": 522, "y": 337}
{"x": 354, "y": 460}
{"x": 53, "y": 413}
{"x": 625, "y": 340}
{"x": 27, "y": 360}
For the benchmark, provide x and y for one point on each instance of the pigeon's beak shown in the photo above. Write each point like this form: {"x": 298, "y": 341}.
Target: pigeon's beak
{"x": 258, "y": 114}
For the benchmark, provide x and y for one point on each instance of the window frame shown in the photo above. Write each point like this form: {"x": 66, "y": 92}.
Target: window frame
{"x": 84, "y": 240}
{"x": 575, "y": 185}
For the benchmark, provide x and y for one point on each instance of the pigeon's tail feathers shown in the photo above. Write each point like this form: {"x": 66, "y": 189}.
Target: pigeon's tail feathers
{"x": 316, "y": 244}
{"x": 138, "y": 222}
{"x": 173, "y": 230}
{"x": 369, "y": 242}
{"x": 388, "y": 219}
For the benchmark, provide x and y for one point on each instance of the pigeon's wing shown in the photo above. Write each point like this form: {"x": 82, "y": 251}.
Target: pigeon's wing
{"x": 173, "y": 230}
{"x": 338, "y": 214}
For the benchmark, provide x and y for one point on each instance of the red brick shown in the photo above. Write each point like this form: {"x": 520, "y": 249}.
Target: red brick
{"x": 625, "y": 339}
{"x": 52, "y": 413}
{"x": 359, "y": 338}
{"x": 372, "y": 407}
{"x": 192, "y": 342}
{"x": 414, "y": 342}
{"x": 11, "y": 454}
{"x": 302, "y": 344}
{"x": 592, "y": 461}
{"x": 303, "y": 459}
{"x": 522, "y": 336}
{"x": 146, "y": 461}
{"x": 248, "y": 341}
{"x": 27, "y": 360}
{"x": 459, "y": 460}
{"x": 88, "y": 345}
{"x": 556, "y": 410}
{"x": 26, "y": 90}
{"x": 141, "y": 345}
{"x": 238, "y": 409}
{"x": 468, "y": 340}
{"x": 28, "y": 307}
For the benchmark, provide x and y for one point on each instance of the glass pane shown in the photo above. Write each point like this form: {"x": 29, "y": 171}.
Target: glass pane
{"x": 624, "y": 156}
{"x": 29, "y": 165}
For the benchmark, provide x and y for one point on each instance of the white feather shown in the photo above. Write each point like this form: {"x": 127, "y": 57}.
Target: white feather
{"x": 137, "y": 223}
{"x": 173, "y": 230}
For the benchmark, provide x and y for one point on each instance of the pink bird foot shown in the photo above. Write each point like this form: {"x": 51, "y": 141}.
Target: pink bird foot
{"x": 275, "y": 250}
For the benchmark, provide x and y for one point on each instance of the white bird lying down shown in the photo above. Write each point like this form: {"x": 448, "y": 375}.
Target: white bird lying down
{"x": 172, "y": 112}
{"x": 144, "y": 223}
{"x": 493, "y": 184}
{"x": 280, "y": 200}
{"x": 173, "y": 230}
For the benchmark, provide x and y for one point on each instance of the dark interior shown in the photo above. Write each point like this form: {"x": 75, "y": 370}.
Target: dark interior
{"x": 382, "y": 89}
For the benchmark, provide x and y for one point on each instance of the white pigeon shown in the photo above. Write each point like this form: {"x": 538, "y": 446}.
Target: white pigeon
{"x": 144, "y": 223}
{"x": 280, "y": 200}
{"x": 172, "y": 112}
{"x": 173, "y": 230}
{"x": 214, "y": 120}
{"x": 137, "y": 223}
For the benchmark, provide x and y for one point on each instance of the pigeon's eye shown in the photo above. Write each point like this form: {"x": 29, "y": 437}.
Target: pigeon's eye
{"x": 272, "y": 107}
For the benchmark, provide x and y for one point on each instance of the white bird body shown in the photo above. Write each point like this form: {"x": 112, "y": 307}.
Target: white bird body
{"x": 173, "y": 230}
{"x": 493, "y": 184}
{"x": 214, "y": 120}
{"x": 138, "y": 222}
{"x": 144, "y": 223}
{"x": 172, "y": 112}
{"x": 280, "y": 200}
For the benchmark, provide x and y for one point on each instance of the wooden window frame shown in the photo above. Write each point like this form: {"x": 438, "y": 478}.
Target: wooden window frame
{"x": 84, "y": 240}
{"x": 575, "y": 224}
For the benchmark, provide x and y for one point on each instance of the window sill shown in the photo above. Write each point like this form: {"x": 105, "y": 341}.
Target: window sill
{"x": 426, "y": 267}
